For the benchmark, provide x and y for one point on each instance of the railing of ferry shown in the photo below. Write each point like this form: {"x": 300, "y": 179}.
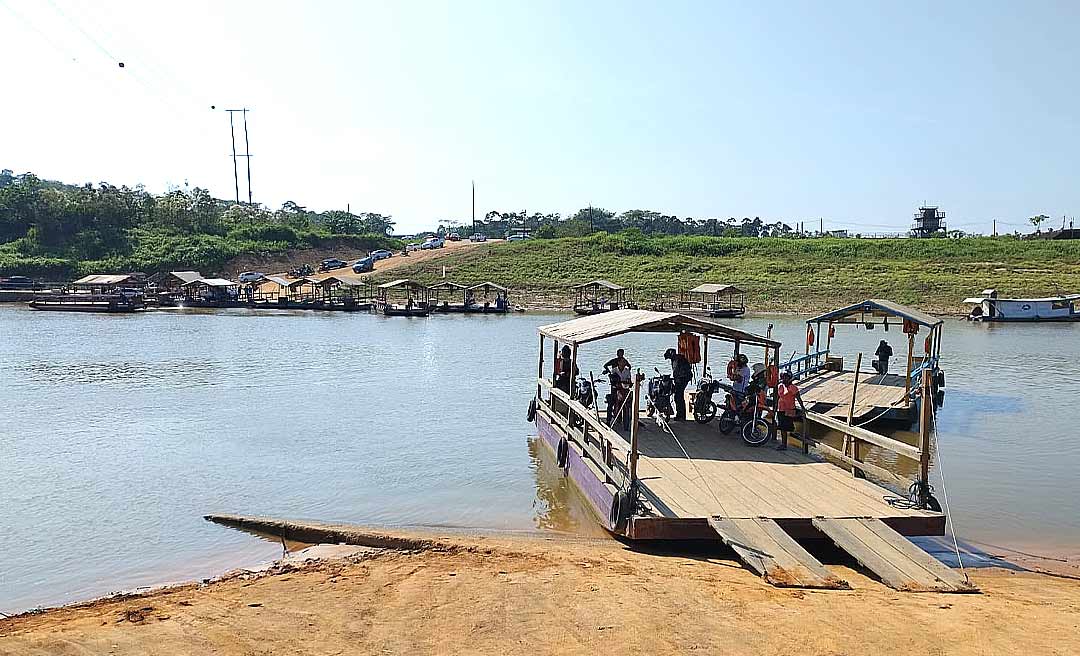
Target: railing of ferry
{"x": 602, "y": 444}
{"x": 806, "y": 364}
{"x": 928, "y": 364}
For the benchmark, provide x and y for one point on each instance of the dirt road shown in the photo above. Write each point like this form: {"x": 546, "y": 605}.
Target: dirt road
{"x": 501, "y": 595}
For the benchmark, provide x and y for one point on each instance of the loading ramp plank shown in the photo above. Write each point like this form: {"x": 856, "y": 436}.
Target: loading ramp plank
{"x": 773, "y": 554}
{"x": 899, "y": 563}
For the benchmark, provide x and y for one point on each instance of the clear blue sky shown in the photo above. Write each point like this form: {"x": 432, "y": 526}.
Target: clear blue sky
{"x": 856, "y": 112}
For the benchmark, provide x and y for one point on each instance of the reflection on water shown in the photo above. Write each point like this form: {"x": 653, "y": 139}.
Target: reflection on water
{"x": 120, "y": 432}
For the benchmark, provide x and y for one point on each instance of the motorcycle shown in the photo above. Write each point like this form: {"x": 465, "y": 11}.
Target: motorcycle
{"x": 585, "y": 394}
{"x": 743, "y": 412}
{"x": 616, "y": 399}
{"x": 658, "y": 402}
{"x": 704, "y": 406}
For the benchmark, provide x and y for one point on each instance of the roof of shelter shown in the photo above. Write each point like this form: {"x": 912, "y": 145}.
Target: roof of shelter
{"x": 600, "y": 283}
{"x": 714, "y": 288}
{"x": 876, "y": 307}
{"x": 618, "y": 322}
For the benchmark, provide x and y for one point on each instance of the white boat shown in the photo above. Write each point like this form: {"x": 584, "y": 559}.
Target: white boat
{"x": 989, "y": 307}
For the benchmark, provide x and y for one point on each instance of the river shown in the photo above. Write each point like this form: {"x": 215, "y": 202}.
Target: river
{"x": 120, "y": 432}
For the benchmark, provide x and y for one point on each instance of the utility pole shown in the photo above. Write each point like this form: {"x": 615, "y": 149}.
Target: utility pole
{"x": 821, "y": 226}
{"x": 236, "y": 179}
{"x": 474, "y": 206}
{"x": 994, "y": 228}
{"x": 247, "y": 152}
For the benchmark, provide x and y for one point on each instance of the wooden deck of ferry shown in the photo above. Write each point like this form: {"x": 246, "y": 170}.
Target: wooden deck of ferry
{"x": 829, "y": 392}
{"x": 687, "y": 481}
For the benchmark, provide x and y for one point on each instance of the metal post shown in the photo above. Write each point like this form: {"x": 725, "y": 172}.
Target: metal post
{"x": 634, "y": 427}
{"x": 235, "y": 172}
{"x": 910, "y": 362}
{"x": 924, "y": 438}
{"x": 247, "y": 155}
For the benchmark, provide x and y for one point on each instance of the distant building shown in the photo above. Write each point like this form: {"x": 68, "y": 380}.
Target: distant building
{"x": 929, "y": 221}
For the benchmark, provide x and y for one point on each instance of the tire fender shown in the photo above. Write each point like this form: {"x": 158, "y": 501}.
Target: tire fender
{"x": 562, "y": 454}
{"x": 620, "y": 511}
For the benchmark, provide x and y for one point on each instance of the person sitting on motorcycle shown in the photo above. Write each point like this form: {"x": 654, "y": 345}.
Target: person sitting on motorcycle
{"x": 741, "y": 380}
{"x": 755, "y": 390}
{"x": 681, "y": 373}
{"x": 619, "y": 359}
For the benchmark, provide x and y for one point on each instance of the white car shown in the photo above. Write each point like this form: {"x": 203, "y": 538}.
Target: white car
{"x": 251, "y": 276}
{"x": 478, "y": 236}
{"x": 433, "y": 242}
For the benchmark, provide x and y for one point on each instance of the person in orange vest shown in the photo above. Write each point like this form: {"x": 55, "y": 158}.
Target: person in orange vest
{"x": 787, "y": 394}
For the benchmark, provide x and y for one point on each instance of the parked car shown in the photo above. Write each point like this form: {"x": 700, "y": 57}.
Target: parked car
{"x": 364, "y": 265}
{"x": 381, "y": 254}
{"x": 518, "y": 238}
{"x": 411, "y": 247}
{"x": 455, "y": 236}
{"x": 251, "y": 276}
{"x": 478, "y": 237}
{"x": 432, "y": 242}
{"x": 332, "y": 263}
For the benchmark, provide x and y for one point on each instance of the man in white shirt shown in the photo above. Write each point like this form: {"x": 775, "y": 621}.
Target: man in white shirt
{"x": 742, "y": 374}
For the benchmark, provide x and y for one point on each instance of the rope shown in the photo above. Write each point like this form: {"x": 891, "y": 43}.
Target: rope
{"x": 663, "y": 424}
{"x": 945, "y": 491}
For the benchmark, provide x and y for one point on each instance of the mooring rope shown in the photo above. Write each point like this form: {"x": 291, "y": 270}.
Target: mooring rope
{"x": 945, "y": 491}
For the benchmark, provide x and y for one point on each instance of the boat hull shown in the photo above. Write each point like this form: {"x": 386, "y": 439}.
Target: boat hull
{"x": 78, "y": 307}
{"x": 598, "y": 496}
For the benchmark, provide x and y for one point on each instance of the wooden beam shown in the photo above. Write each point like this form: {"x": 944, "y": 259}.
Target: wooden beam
{"x": 635, "y": 419}
{"x": 887, "y": 443}
{"x": 926, "y": 407}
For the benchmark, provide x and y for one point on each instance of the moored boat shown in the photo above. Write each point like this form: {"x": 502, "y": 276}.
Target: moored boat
{"x": 989, "y": 307}
{"x": 601, "y": 296}
{"x": 403, "y": 298}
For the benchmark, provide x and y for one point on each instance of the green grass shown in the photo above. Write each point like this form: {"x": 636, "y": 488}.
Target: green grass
{"x": 780, "y": 274}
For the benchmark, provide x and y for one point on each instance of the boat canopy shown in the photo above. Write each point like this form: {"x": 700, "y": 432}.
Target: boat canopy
{"x": 349, "y": 280}
{"x": 600, "y": 283}
{"x": 186, "y": 276}
{"x": 213, "y": 282}
{"x": 715, "y": 288}
{"x": 103, "y": 279}
{"x": 489, "y": 285}
{"x": 876, "y": 307}
{"x": 404, "y": 282}
{"x": 618, "y": 322}
{"x": 446, "y": 284}
{"x": 1048, "y": 299}
{"x": 277, "y": 280}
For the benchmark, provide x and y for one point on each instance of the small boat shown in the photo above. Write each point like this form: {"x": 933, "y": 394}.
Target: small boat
{"x": 487, "y": 298}
{"x": 449, "y": 296}
{"x": 601, "y": 296}
{"x": 989, "y": 307}
{"x": 110, "y": 303}
{"x": 716, "y": 301}
{"x": 403, "y": 298}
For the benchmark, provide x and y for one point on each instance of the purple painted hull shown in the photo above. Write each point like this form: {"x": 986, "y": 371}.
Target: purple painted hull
{"x": 597, "y": 495}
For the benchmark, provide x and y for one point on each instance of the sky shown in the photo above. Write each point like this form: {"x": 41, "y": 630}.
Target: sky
{"x": 852, "y": 112}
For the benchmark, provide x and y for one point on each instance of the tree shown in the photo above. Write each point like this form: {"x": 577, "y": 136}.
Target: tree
{"x": 1037, "y": 221}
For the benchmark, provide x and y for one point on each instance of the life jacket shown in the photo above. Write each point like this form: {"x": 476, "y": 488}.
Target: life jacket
{"x": 772, "y": 375}
{"x": 732, "y": 368}
{"x": 690, "y": 347}
{"x": 910, "y": 327}
{"x": 809, "y": 335}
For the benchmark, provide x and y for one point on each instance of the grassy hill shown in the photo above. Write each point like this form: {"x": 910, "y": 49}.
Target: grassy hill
{"x": 780, "y": 274}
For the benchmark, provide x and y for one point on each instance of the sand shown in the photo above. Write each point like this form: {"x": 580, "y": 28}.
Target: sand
{"x": 534, "y": 595}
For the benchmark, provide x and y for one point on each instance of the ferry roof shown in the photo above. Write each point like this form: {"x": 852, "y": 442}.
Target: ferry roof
{"x": 103, "y": 279}
{"x": 489, "y": 285}
{"x": 186, "y": 276}
{"x": 446, "y": 284}
{"x": 980, "y": 299}
{"x": 600, "y": 283}
{"x": 876, "y": 307}
{"x": 213, "y": 282}
{"x": 714, "y": 288}
{"x": 404, "y": 282}
{"x": 618, "y": 322}
{"x": 347, "y": 279}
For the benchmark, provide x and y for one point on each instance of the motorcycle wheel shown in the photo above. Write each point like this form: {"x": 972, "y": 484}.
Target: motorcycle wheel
{"x": 704, "y": 417}
{"x": 727, "y": 421}
{"x": 757, "y": 432}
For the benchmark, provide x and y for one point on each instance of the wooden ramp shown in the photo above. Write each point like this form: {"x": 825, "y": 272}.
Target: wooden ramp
{"x": 900, "y": 564}
{"x": 772, "y": 553}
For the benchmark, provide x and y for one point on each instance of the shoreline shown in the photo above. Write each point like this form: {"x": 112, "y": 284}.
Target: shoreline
{"x": 436, "y": 591}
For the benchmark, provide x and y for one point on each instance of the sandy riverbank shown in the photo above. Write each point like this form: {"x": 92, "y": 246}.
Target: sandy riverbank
{"x": 475, "y": 594}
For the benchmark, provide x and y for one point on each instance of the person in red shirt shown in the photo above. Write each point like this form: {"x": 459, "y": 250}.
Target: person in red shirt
{"x": 787, "y": 394}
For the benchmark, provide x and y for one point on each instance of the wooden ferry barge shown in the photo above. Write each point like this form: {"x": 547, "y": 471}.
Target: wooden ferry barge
{"x": 859, "y": 394}
{"x": 690, "y": 482}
